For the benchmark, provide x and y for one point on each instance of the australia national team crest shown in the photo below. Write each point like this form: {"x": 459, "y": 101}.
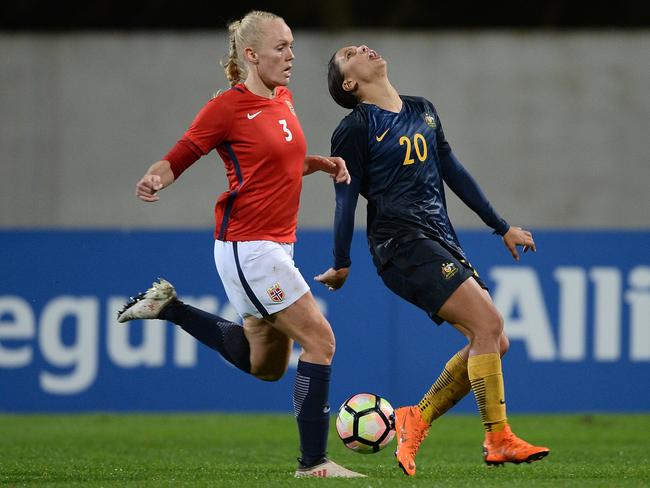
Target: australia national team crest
{"x": 429, "y": 119}
{"x": 291, "y": 109}
{"x": 276, "y": 294}
{"x": 449, "y": 270}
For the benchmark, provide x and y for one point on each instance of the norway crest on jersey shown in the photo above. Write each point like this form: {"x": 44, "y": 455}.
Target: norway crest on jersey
{"x": 276, "y": 294}
{"x": 429, "y": 119}
{"x": 291, "y": 109}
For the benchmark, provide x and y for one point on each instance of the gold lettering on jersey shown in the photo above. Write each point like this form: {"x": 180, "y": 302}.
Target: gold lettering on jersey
{"x": 290, "y": 107}
{"x": 420, "y": 145}
{"x": 418, "y": 140}
{"x": 407, "y": 157}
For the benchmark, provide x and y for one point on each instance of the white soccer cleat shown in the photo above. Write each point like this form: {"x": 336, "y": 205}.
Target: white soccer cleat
{"x": 328, "y": 469}
{"x": 148, "y": 305}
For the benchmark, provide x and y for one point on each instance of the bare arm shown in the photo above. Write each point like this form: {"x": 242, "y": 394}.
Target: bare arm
{"x": 158, "y": 176}
{"x": 334, "y": 166}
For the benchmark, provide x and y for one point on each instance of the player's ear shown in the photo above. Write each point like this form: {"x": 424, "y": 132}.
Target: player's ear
{"x": 349, "y": 85}
{"x": 251, "y": 56}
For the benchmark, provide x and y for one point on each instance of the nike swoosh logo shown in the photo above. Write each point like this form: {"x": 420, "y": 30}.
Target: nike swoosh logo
{"x": 252, "y": 116}
{"x": 381, "y": 137}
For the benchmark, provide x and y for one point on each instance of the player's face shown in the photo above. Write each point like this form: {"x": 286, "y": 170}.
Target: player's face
{"x": 359, "y": 64}
{"x": 275, "y": 54}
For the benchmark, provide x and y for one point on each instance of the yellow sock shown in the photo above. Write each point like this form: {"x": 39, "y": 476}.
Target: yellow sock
{"x": 484, "y": 371}
{"x": 450, "y": 387}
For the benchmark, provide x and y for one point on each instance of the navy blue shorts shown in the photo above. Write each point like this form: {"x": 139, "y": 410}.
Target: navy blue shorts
{"x": 425, "y": 273}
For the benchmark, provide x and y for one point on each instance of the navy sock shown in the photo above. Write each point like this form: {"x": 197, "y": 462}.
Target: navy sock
{"x": 310, "y": 395}
{"x": 215, "y": 332}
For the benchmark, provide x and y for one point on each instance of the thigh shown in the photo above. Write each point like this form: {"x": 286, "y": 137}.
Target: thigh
{"x": 270, "y": 348}
{"x": 469, "y": 307}
{"x": 305, "y": 324}
{"x": 504, "y": 342}
{"x": 303, "y": 321}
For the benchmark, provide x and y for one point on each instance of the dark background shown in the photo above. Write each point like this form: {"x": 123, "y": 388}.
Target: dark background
{"x": 33, "y": 15}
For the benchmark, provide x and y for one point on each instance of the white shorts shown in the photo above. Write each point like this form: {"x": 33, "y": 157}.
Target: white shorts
{"x": 260, "y": 277}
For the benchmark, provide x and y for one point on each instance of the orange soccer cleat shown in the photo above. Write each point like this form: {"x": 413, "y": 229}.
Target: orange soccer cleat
{"x": 411, "y": 431}
{"x": 505, "y": 447}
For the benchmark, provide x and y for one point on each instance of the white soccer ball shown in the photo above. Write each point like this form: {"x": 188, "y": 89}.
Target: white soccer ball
{"x": 365, "y": 423}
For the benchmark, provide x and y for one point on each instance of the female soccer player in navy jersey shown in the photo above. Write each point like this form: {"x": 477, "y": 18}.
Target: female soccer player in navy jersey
{"x": 254, "y": 128}
{"x": 398, "y": 157}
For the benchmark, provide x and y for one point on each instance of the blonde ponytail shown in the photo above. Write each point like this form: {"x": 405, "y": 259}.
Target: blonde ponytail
{"x": 242, "y": 34}
{"x": 233, "y": 71}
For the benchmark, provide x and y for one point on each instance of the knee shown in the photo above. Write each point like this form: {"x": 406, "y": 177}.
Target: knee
{"x": 504, "y": 345}
{"x": 268, "y": 374}
{"x": 321, "y": 345}
{"x": 491, "y": 326}
{"x": 495, "y": 322}
{"x": 326, "y": 347}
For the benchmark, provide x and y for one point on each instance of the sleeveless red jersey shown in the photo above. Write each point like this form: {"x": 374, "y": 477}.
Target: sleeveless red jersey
{"x": 263, "y": 148}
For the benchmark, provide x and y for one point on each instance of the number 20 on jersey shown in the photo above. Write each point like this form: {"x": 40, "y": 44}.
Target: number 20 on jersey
{"x": 419, "y": 144}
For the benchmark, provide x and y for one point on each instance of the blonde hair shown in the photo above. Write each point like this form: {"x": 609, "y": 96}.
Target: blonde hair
{"x": 243, "y": 33}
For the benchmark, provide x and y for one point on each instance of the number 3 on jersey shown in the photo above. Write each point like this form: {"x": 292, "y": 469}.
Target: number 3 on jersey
{"x": 288, "y": 135}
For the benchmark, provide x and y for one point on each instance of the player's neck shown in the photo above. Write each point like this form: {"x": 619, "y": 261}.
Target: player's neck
{"x": 257, "y": 87}
{"x": 384, "y": 95}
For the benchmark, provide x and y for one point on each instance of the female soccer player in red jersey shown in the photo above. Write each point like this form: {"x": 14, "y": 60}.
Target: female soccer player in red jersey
{"x": 254, "y": 128}
{"x": 398, "y": 158}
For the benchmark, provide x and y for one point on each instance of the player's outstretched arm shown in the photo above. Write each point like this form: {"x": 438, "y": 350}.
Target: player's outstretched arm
{"x": 157, "y": 177}
{"x": 333, "y": 279}
{"x": 332, "y": 165}
{"x": 516, "y": 236}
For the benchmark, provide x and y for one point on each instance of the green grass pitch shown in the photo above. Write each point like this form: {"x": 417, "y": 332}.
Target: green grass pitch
{"x": 259, "y": 450}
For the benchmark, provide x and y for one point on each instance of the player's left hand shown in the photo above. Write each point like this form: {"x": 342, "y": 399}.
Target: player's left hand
{"x": 333, "y": 165}
{"x": 333, "y": 279}
{"x": 516, "y": 236}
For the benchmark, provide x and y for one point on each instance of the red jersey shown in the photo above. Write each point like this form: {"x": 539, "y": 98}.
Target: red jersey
{"x": 263, "y": 148}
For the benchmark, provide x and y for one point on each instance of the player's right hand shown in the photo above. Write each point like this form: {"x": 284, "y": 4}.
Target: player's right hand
{"x": 333, "y": 279}
{"x": 147, "y": 188}
{"x": 516, "y": 236}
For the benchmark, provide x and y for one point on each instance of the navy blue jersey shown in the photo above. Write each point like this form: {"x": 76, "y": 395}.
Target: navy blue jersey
{"x": 398, "y": 163}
